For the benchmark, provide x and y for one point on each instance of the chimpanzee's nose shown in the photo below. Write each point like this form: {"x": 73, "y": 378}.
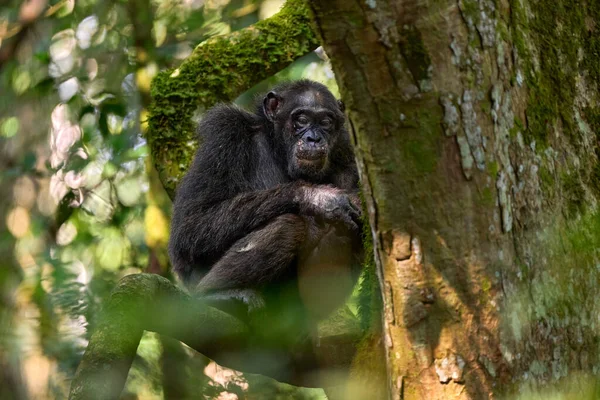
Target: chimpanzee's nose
{"x": 313, "y": 137}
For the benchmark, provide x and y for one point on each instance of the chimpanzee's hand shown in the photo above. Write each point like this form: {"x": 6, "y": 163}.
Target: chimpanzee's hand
{"x": 331, "y": 203}
{"x": 357, "y": 203}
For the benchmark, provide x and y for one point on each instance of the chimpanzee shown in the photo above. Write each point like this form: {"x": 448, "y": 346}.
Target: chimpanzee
{"x": 268, "y": 214}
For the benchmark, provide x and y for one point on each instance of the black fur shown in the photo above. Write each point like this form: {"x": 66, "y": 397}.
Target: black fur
{"x": 249, "y": 208}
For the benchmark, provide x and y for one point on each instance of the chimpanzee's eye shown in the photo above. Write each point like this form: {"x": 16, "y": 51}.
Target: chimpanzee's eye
{"x": 301, "y": 122}
{"x": 326, "y": 123}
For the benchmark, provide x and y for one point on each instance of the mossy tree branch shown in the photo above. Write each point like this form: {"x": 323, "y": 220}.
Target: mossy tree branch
{"x": 149, "y": 302}
{"x": 219, "y": 70}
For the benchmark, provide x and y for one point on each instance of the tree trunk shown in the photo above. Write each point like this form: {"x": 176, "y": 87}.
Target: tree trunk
{"x": 475, "y": 125}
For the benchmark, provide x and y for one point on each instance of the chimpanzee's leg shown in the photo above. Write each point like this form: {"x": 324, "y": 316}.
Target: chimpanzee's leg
{"x": 259, "y": 258}
{"x": 268, "y": 255}
{"x": 264, "y": 279}
{"x": 328, "y": 266}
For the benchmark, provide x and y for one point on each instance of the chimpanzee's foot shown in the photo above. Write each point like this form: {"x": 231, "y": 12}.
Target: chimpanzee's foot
{"x": 243, "y": 304}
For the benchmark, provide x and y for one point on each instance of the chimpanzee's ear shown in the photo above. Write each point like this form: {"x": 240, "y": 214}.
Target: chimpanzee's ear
{"x": 341, "y": 105}
{"x": 271, "y": 104}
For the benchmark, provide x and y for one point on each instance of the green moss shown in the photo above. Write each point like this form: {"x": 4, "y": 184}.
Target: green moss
{"x": 484, "y": 294}
{"x": 514, "y": 131}
{"x": 493, "y": 169}
{"x": 356, "y": 20}
{"x": 519, "y": 124}
{"x": 558, "y": 30}
{"x": 592, "y": 116}
{"x": 547, "y": 182}
{"x": 566, "y": 39}
{"x": 218, "y": 71}
{"x": 594, "y": 178}
{"x": 558, "y": 293}
{"x": 421, "y": 150}
{"x": 591, "y": 42}
{"x": 389, "y": 114}
{"x": 369, "y": 293}
{"x": 502, "y": 30}
{"x": 414, "y": 52}
{"x": 573, "y": 194}
{"x": 471, "y": 9}
{"x": 486, "y": 285}
{"x": 487, "y": 197}
{"x": 583, "y": 238}
{"x": 486, "y": 106}
{"x": 519, "y": 24}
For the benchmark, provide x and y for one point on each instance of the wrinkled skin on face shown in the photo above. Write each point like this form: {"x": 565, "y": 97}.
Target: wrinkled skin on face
{"x": 309, "y": 127}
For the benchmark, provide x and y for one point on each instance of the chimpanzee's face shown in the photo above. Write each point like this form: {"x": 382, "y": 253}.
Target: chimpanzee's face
{"x": 309, "y": 123}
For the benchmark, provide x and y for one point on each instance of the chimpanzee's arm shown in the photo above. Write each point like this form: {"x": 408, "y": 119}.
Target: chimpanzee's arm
{"x": 215, "y": 203}
{"x": 203, "y": 232}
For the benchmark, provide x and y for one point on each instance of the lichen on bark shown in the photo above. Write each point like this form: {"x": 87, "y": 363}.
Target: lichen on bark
{"x": 550, "y": 322}
{"x": 557, "y": 47}
{"x": 556, "y": 40}
{"x": 219, "y": 70}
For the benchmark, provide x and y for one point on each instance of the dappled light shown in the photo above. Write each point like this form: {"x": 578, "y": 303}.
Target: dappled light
{"x": 82, "y": 207}
{"x": 472, "y": 128}
{"x": 18, "y": 221}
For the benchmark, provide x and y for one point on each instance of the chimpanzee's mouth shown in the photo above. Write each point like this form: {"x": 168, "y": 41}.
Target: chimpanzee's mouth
{"x": 311, "y": 155}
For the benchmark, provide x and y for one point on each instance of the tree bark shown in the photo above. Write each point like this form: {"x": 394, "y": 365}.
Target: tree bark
{"x": 474, "y": 124}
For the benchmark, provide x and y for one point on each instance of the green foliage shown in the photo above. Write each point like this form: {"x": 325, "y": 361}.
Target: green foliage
{"x": 369, "y": 302}
{"x": 81, "y": 202}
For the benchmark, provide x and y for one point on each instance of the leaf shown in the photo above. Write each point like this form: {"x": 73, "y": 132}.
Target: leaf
{"x": 29, "y": 161}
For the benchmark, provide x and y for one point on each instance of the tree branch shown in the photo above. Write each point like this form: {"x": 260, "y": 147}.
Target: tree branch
{"x": 149, "y": 302}
{"x": 153, "y": 303}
